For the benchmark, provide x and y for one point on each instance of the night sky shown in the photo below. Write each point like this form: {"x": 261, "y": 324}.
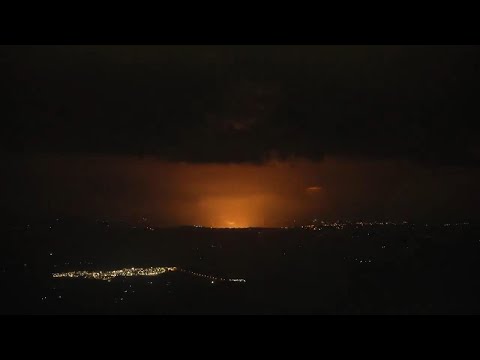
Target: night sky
{"x": 235, "y": 136}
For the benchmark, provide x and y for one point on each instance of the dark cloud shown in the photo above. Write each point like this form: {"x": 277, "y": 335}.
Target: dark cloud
{"x": 244, "y": 103}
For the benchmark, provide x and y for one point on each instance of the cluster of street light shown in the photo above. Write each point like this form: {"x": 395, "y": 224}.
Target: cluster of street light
{"x": 210, "y": 277}
{"x": 108, "y": 275}
{"x": 135, "y": 272}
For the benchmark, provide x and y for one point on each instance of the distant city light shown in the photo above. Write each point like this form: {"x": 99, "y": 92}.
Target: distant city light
{"x": 136, "y": 272}
{"x": 107, "y": 275}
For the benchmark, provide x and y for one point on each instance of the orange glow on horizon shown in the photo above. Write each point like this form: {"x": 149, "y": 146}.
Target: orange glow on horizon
{"x": 272, "y": 194}
{"x": 227, "y": 211}
{"x": 173, "y": 194}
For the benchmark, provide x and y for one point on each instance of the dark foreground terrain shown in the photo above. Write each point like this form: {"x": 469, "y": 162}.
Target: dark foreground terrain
{"x": 352, "y": 269}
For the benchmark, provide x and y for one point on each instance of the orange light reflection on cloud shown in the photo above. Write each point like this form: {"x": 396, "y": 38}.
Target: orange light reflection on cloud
{"x": 313, "y": 189}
